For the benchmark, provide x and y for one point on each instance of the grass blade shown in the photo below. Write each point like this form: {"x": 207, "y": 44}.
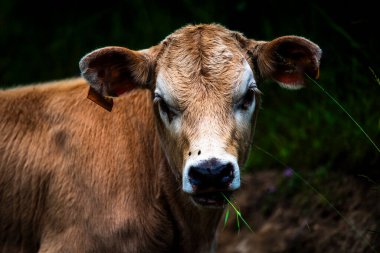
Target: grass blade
{"x": 346, "y": 112}
{"x": 237, "y": 222}
{"x": 238, "y": 214}
{"x": 374, "y": 76}
{"x": 226, "y": 217}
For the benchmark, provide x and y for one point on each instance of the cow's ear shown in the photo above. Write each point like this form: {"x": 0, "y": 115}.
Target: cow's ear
{"x": 287, "y": 59}
{"x": 113, "y": 71}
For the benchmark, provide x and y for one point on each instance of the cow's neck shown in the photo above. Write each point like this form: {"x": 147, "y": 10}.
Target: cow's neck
{"x": 194, "y": 227}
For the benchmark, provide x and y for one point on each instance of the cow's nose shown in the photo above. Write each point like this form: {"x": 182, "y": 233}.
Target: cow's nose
{"x": 211, "y": 174}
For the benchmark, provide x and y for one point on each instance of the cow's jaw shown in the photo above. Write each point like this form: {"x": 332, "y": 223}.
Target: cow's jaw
{"x": 211, "y": 199}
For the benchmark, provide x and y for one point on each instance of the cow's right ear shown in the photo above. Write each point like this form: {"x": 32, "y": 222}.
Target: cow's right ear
{"x": 113, "y": 71}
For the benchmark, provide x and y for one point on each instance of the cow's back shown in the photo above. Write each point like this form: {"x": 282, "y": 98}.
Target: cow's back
{"x": 67, "y": 166}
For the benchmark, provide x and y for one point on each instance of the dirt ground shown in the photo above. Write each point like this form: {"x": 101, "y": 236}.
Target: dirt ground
{"x": 301, "y": 220}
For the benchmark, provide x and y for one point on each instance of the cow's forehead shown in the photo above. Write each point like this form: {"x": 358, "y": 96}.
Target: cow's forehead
{"x": 198, "y": 58}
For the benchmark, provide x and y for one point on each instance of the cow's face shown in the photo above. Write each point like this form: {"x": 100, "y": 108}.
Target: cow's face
{"x": 205, "y": 97}
{"x": 204, "y": 87}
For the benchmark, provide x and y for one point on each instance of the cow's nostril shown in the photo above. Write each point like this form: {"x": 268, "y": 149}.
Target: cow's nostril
{"x": 195, "y": 176}
{"x": 211, "y": 175}
{"x": 227, "y": 173}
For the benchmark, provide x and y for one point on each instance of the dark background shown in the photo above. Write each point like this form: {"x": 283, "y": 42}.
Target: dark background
{"x": 329, "y": 202}
{"x": 44, "y": 40}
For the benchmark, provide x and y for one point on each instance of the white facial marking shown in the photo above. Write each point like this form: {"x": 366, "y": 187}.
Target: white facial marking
{"x": 165, "y": 91}
{"x": 210, "y": 143}
{"x": 222, "y": 156}
{"x": 245, "y": 80}
{"x": 211, "y": 147}
{"x": 243, "y": 117}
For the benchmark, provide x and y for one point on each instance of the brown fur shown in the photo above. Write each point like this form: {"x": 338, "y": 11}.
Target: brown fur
{"x": 76, "y": 178}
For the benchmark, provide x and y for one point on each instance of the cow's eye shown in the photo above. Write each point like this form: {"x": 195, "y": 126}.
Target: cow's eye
{"x": 247, "y": 99}
{"x": 165, "y": 108}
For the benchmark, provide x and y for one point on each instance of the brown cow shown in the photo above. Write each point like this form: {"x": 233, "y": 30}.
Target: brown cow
{"x": 148, "y": 176}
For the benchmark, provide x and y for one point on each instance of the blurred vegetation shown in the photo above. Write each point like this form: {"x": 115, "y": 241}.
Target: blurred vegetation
{"x": 44, "y": 40}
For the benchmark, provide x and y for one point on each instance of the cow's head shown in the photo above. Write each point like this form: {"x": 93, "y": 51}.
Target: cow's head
{"x": 203, "y": 81}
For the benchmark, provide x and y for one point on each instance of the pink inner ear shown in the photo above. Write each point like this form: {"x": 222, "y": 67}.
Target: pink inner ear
{"x": 289, "y": 78}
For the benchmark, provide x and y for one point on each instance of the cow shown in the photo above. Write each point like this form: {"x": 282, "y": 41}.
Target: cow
{"x": 149, "y": 170}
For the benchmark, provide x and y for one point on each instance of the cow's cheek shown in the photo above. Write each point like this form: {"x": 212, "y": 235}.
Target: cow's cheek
{"x": 173, "y": 146}
{"x": 173, "y": 143}
{"x": 178, "y": 147}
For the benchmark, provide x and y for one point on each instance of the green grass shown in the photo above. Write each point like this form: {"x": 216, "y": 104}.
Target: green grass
{"x": 374, "y": 76}
{"x": 345, "y": 111}
{"x": 311, "y": 129}
{"x": 238, "y": 215}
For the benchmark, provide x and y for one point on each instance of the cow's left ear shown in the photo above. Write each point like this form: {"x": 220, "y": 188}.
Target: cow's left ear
{"x": 287, "y": 59}
{"x": 113, "y": 71}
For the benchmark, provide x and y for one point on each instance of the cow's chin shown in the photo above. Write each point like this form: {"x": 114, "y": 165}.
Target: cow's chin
{"x": 215, "y": 199}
